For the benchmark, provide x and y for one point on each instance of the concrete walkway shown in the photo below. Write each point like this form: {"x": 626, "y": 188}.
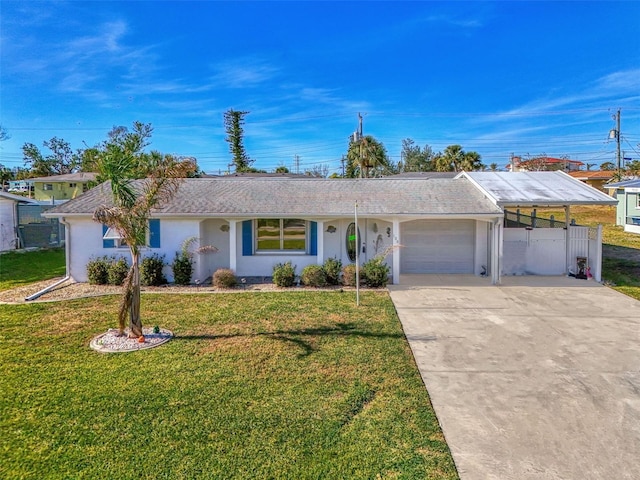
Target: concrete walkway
{"x": 538, "y": 378}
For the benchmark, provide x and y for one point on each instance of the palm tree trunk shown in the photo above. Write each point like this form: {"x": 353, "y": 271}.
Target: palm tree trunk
{"x": 135, "y": 322}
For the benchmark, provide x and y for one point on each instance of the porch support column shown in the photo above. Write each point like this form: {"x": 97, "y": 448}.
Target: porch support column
{"x": 320, "y": 243}
{"x": 496, "y": 251}
{"x": 233, "y": 242}
{"x": 396, "y": 252}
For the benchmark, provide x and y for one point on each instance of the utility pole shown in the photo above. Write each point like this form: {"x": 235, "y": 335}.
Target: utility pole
{"x": 615, "y": 133}
{"x": 360, "y": 140}
{"x": 296, "y": 162}
{"x": 618, "y": 141}
{"x": 342, "y": 161}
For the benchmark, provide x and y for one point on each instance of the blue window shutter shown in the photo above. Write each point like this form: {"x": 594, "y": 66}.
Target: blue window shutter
{"x": 107, "y": 243}
{"x": 247, "y": 238}
{"x": 313, "y": 248}
{"x": 154, "y": 233}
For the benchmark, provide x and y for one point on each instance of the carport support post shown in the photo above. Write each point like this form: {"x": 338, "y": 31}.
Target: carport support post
{"x": 567, "y": 224}
{"x": 496, "y": 251}
{"x": 396, "y": 252}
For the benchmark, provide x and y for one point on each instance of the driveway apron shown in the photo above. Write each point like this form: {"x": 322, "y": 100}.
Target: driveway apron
{"x": 538, "y": 378}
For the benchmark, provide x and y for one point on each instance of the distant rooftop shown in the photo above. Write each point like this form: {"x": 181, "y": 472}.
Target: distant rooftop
{"x": 68, "y": 177}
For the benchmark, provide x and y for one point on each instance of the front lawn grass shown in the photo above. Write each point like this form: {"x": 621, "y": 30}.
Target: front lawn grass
{"x": 22, "y": 268}
{"x": 300, "y": 385}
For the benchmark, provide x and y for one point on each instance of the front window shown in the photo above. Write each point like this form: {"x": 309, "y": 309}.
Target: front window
{"x": 288, "y": 234}
{"x": 48, "y": 186}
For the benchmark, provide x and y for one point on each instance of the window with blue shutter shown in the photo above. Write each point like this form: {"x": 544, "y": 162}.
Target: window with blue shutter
{"x": 154, "y": 233}
{"x": 107, "y": 243}
{"x": 247, "y": 238}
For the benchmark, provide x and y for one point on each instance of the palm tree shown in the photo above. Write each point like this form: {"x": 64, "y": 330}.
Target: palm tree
{"x": 455, "y": 159}
{"x": 121, "y": 162}
{"x": 367, "y": 157}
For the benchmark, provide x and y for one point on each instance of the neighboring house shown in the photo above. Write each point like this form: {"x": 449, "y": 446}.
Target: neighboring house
{"x": 593, "y": 178}
{"x": 20, "y": 185}
{"x": 62, "y": 187}
{"x": 445, "y": 226}
{"x": 9, "y": 219}
{"x": 543, "y": 164}
{"x": 628, "y": 210}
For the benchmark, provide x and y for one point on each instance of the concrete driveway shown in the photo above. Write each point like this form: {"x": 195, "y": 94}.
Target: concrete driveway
{"x": 538, "y": 378}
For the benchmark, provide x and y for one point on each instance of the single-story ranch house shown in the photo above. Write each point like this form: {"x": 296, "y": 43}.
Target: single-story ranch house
{"x": 426, "y": 225}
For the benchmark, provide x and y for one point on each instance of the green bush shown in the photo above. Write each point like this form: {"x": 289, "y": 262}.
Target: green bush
{"x": 313, "y": 276}
{"x": 349, "y": 275}
{"x": 375, "y": 273}
{"x": 151, "y": 271}
{"x": 98, "y": 271}
{"x": 224, "y": 278}
{"x": 284, "y": 274}
{"x": 332, "y": 268}
{"x": 118, "y": 270}
{"x": 182, "y": 267}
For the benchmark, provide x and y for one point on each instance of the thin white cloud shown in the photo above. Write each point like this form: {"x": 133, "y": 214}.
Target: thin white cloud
{"x": 242, "y": 73}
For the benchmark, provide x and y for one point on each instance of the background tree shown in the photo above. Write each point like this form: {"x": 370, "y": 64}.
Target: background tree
{"x": 6, "y": 174}
{"x": 455, "y": 159}
{"x": 4, "y": 135}
{"x": 121, "y": 160}
{"x": 61, "y": 159}
{"x": 633, "y": 167}
{"x": 415, "y": 159}
{"x": 281, "y": 169}
{"x": 607, "y": 166}
{"x": 494, "y": 167}
{"x": 318, "y": 171}
{"x": 233, "y": 122}
{"x": 368, "y": 157}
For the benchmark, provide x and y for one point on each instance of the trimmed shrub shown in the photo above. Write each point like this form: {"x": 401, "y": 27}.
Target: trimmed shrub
{"x": 224, "y": 278}
{"x": 98, "y": 271}
{"x": 182, "y": 267}
{"x": 151, "y": 271}
{"x": 375, "y": 273}
{"x": 284, "y": 274}
{"x": 118, "y": 270}
{"x": 313, "y": 276}
{"x": 332, "y": 268}
{"x": 349, "y": 275}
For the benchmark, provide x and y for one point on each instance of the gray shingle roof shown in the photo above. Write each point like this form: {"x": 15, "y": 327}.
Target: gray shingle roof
{"x": 246, "y": 197}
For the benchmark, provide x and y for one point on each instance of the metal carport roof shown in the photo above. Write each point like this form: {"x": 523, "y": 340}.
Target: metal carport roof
{"x": 536, "y": 189}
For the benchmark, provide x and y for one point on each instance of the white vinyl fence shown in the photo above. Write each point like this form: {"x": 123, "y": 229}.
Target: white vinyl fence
{"x": 552, "y": 251}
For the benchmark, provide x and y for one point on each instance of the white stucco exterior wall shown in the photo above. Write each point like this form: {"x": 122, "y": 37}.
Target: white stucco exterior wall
{"x": 7, "y": 224}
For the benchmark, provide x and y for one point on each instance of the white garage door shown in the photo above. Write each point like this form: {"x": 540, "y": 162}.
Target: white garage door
{"x": 437, "y": 246}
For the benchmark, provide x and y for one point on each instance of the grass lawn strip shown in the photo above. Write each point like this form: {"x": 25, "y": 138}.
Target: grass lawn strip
{"x": 25, "y": 267}
{"x": 256, "y": 385}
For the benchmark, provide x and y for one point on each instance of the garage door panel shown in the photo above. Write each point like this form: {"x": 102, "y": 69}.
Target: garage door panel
{"x": 438, "y": 246}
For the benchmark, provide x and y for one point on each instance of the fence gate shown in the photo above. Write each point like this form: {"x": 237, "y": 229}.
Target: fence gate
{"x": 586, "y": 243}
{"x": 37, "y": 231}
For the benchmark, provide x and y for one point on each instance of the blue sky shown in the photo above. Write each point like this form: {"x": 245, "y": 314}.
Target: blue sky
{"x": 495, "y": 77}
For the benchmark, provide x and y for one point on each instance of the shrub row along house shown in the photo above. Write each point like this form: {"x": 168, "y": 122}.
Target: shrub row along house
{"x": 424, "y": 225}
